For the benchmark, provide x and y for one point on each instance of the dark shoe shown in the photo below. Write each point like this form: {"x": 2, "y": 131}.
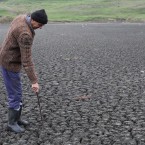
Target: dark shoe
{"x": 15, "y": 128}
{"x": 23, "y": 122}
{"x": 12, "y": 122}
{"x": 19, "y": 120}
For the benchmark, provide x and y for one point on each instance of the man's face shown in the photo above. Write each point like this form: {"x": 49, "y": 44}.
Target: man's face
{"x": 36, "y": 25}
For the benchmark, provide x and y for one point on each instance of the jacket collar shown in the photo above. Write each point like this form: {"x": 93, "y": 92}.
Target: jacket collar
{"x": 28, "y": 21}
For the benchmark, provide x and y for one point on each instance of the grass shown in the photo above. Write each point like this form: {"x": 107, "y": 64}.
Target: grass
{"x": 77, "y": 10}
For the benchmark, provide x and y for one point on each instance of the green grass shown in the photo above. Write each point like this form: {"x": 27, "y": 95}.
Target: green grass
{"x": 77, "y": 10}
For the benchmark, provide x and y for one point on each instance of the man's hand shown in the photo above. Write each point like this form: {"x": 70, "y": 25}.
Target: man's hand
{"x": 35, "y": 87}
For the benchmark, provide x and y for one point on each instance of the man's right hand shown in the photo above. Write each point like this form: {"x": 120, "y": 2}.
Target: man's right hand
{"x": 35, "y": 87}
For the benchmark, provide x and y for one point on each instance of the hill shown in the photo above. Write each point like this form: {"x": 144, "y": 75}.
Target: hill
{"x": 77, "y": 10}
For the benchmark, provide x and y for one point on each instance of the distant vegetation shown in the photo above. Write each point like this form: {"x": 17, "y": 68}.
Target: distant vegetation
{"x": 77, "y": 10}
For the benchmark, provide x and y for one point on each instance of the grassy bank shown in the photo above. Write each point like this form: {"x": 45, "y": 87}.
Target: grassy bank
{"x": 77, "y": 10}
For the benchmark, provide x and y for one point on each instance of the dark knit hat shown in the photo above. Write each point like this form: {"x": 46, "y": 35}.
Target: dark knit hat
{"x": 40, "y": 16}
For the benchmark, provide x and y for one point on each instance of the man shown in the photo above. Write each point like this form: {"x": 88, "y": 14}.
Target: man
{"x": 14, "y": 54}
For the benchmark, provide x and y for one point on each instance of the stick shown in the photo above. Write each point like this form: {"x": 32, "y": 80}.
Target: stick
{"x": 39, "y": 107}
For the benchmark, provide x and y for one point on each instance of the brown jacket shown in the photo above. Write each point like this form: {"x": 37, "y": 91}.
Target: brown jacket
{"x": 16, "y": 48}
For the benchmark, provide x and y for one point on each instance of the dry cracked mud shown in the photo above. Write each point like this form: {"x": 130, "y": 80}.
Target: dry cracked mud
{"x": 92, "y": 79}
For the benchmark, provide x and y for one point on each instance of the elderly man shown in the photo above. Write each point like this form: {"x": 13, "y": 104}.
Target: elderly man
{"x": 14, "y": 54}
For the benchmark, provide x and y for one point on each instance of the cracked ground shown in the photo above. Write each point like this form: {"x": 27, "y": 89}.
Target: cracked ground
{"x": 92, "y": 86}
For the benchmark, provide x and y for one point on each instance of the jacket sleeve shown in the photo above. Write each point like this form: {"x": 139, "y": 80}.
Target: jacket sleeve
{"x": 25, "y": 43}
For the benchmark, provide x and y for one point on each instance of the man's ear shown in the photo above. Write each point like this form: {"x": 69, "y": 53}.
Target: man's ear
{"x": 32, "y": 22}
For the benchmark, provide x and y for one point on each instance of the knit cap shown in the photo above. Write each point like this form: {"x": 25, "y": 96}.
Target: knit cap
{"x": 40, "y": 16}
